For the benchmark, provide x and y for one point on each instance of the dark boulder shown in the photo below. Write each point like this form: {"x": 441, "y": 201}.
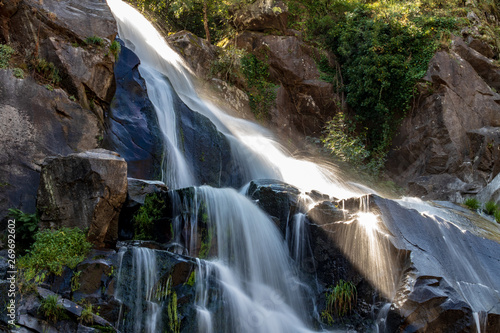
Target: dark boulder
{"x": 276, "y": 198}
{"x": 85, "y": 190}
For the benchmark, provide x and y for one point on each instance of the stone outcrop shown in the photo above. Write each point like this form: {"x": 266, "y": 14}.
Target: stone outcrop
{"x": 57, "y": 31}
{"x": 85, "y": 190}
{"x": 483, "y": 65}
{"x": 197, "y": 52}
{"x": 262, "y": 15}
{"x": 447, "y": 146}
{"x": 45, "y": 121}
{"x": 304, "y": 101}
{"x": 435, "y": 274}
{"x": 36, "y": 122}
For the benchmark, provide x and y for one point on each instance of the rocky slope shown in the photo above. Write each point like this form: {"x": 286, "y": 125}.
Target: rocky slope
{"x": 448, "y": 146}
{"x": 58, "y": 107}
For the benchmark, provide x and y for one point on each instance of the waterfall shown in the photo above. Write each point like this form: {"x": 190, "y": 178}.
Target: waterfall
{"x": 240, "y": 252}
{"x": 257, "y": 154}
{"x": 136, "y": 287}
{"x": 249, "y": 261}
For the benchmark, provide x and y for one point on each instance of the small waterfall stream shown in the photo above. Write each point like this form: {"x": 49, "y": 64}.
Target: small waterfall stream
{"x": 245, "y": 258}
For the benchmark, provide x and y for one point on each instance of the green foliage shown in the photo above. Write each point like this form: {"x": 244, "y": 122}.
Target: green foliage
{"x": 18, "y": 73}
{"x": 174, "y": 321}
{"x": 341, "y": 140}
{"x": 88, "y": 311}
{"x": 94, "y": 40}
{"x": 490, "y": 208}
{"x": 339, "y": 301}
{"x": 176, "y": 15}
{"x": 115, "y": 49}
{"x": 75, "y": 281}
{"x": 227, "y": 64}
{"x": 47, "y": 71}
{"x": 384, "y": 48}
{"x": 26, "y": 227}
{"x": 104, "y": 329}
{"x": 51, "y": 309}
{"x": 496, "y": 214}
{"x": 261, "y": 92}
{"x": 146, "y": 215}
{"x": 6, "y": 53}
{"x": 472, "y": 203}
{"x": 52, "y": 250}
{"x": 192, "y": 279}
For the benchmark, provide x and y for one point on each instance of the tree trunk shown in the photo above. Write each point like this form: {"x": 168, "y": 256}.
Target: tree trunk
{"x": 205, "y": 21}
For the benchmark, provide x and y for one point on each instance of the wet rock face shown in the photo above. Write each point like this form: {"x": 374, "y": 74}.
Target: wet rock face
{"x": 276, "y": 198}
{"x": 131, "y": 123}
{"x": 36, "y": 123}
{"x": 434, "y": 274}
{"x": 175, "y": 273}
{"x": 451, "y": 132}
{"x": 85, "y": 190}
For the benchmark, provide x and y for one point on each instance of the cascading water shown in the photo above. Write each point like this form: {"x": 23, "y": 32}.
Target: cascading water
{"x": 137, "y": 287}
{"x": 250, "y": 262}
{"x": 253, "y": 148}
{"x": 259, "y": 287}
{"x": 246, "y": 258}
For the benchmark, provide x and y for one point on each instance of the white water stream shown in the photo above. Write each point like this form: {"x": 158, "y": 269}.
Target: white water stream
{"x": 260, "y": 288}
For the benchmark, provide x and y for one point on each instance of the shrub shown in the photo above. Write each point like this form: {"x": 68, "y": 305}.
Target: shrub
{"x": 94, "y": 40}
{"x": 261, "y": 92}
{"x": 472, "y": 203}
{"x": 26, "y": 227}
{"x": 490, "y": 208}
{"x": 88, "y": 311}
{"x": 51, "y": 309}
{"x": 5, "y": 54}
{"x": 115, "y": 49}
{"x": 18, "y": 73}
{"x": 497, "y": 216}
{"x": 47, "y": 71}
{"x": 52, "y": 250}
{"x": 227, "y": 64}
{"x": 339, "y": 301}
{"x": 146, "y": 215}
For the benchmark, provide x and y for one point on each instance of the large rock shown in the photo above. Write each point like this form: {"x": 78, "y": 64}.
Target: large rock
{"x": 40, "y": 122}
{"x": 304, "y": 101}
{"x": 197, "y": 52}
{"x": 36, "y": 123}
{"x": 85, "y": 190}
{"x": 131, "y": 123}
{"x": 262, "y": 15}
{"x": 56, "y": 31}
{"x": 435, "y": 273}
{"x": 446, "y": 132}
{"x": 485, "y": 67}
